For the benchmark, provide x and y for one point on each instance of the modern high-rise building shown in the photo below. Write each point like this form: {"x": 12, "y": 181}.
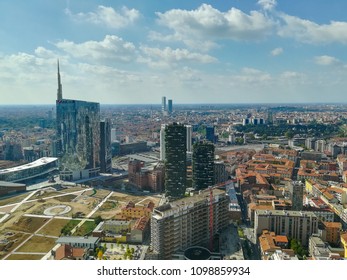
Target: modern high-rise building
{"x": 78, "y": 137}
{"x": 189, "y": 138}
{"x": 210, "y": 134}
{"x": 162, "y": 142}
{"x": 60, "y": 87}
{"x": 163, "y": 104}
{"x": 296, "y": 189}
{"x": 105, "y": 146}
{"x": 189, "y": 221}
{"x": 175, "y": 161}
{"x": 169, "y": 106}
{"x": 113, "y": 135}
{"x": 203, "y": 165}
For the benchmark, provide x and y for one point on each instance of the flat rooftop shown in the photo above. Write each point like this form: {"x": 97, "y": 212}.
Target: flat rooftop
{"x": 40, "y": 162}
{"x": 77, "y": 239}
{"x": 10, "y": 184}
{"x": 285, "y": 213}
{"x": 186, "y": 203}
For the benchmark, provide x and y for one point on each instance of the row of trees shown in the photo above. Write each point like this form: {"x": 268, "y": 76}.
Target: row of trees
{"x": 289, "y": 130}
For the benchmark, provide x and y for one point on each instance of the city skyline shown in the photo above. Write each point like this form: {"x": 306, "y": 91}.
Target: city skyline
{"x": 260, "y": 51}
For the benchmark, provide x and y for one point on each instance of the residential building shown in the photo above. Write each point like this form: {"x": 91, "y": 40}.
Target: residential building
{"x": 220, "y": 173}
{"x": 68, "y": 252}
{"x": 294, "y": 224}
{"x": 190, "y": 221}
{"x": 296, "y": 190}
{"x": 175, "y": 163}
{"x": 344, "y": 243}
{"x": 269, "y": 243}
{"x": 330, "y": 232}
{"x": 320, "y": 250}
{"x": 203, "y": 165}
{"x": 148, "y": 178}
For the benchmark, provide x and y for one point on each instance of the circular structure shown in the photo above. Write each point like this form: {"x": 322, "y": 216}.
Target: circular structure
{"x": 197, "y": 253}
{"x": 57, "y": 210}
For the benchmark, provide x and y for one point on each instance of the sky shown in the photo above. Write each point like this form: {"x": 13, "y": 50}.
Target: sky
{"x": 136, "y": 51}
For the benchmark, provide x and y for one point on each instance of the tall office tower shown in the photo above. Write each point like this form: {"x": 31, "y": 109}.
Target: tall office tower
{"x": 296, "y": 189}
{"x": 210, "y": 134}
{"x": 162, "y": 142}
{"x": 78, "y": 136}
{"x": 189, "y": 138}
{"x": 169, "y": 106}
{"x": 186, "y": 222}
{"x": 163, "y": 104}
{"x": 203, "y": 165}
{"x": 105, "y": 146}
{"x": 113, "y": 135}
{"x": 175, "y": 161}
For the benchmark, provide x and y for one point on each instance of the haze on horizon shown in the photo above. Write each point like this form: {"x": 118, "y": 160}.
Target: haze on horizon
{"x": 194, "y": 52}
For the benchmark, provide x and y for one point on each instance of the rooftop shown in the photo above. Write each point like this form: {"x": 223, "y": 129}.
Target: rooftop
{"x": 285, "y": 213}
{"x": 10, "y": 184}
{"x": 77, "y": 239}
{"x": 40, "y": 162}
{"x": 186, "y": 203}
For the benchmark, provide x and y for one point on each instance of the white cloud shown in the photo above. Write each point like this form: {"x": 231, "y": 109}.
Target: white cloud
{"x": 206, "y": 23}
{"x": 44, "y": 53}
{"x": 292, "y": 78}
{"x": 326, "y": 60}
{"x": 111, "y": 49}
{"x": 250, "y": 77}
{"x": 107, "y": 16}
{"x": 267, "y": 4}
{"x": 169, "y": 57}
{"x": 276, "y": 52}
{"x": 310, "y": 32}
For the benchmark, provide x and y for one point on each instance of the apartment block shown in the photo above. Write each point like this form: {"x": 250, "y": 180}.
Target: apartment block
{"x": 293, "y": 224}
{"x": 189, "y": 221}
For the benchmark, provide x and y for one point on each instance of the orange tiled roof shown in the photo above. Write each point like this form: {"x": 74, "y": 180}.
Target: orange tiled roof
{"x": 68, "y": 252}
{"x": 281, "y": 239}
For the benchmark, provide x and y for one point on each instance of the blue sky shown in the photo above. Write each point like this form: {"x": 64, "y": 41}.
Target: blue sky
{"x": 131, "y": 52}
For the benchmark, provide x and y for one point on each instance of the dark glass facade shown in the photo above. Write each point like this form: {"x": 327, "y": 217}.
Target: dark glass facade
{"x": 203, "y": 165}
{"x": 105, "y": 147}
{"x": 78, "y": 134}
{"x": 175, "y": 161}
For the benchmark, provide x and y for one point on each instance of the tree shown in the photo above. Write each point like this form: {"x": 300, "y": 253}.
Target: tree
{"x": 98, "y": 220}
{"x": 289, "y": 134}
{"x": 239, "y": 141}
{"x": 100, "y": 254}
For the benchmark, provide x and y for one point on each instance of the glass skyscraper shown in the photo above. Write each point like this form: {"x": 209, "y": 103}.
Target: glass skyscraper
{"x": 78, "y": 137}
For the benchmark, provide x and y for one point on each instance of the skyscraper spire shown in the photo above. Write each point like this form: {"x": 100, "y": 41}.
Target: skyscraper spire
{"x": 60, "y": 88}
